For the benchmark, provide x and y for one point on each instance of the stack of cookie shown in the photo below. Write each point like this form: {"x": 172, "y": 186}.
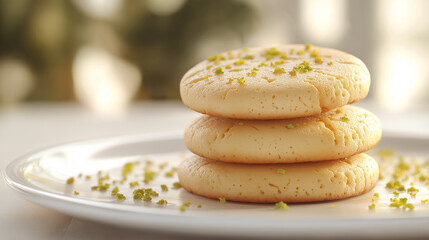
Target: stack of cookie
{"x": 278, "y": 127}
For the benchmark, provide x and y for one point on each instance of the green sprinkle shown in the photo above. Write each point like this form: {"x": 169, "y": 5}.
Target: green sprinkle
{"x": 330, "y": 63}
{"x": 222, "y": 200}
{"x": 239, "y": 62}
{"x": 412, "y": 189}
{"x": 115, "y": 191}
{"x": 344, "y": 118}
{"x": 425, "y": 201}
{"x": 120, "y": 196}
{"x": 318, "y": 60}
{"x": 169, "y": 174}
{"x": 182, "y": 208}
{"x": 333, "y": 206}
{"x": 127, "y": 168}
{"x": 303, "y": 67}
{"x": 176, "y": 185}
{"x": 339, "y": 111}
{"x": 290, "y": 126}
{"x": 293, "y": 72}
{"x": 211, "y": 58}
{"x": 133, "y": 184}
{"x": 307, "y": 47}
{"x": 263, "y": 64}
{"x": 208, "y": 67}
{"x": 148, "y": 176}
{"x": 164, "y": 187}
{"x": 70, "y": 180}
{"x": 372, "y": 206}
{"x": 76, "y": 192}
{"x": 396, "y": 193}
{"x": 219, "y": 70}
{"x": 314, "y": 54}
{"x": 278, "y": 70}
{"x": 199, "y": 206}
{"x": 281, "y": 171}
{"x": 300, "y": 53}
{"x": 241, "y": 81}
{"x": 162, "y": 202}
{"x": 281, "y": 206}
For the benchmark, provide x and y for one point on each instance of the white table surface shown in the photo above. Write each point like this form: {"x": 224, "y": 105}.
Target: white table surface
{"x": 32, "y": 126}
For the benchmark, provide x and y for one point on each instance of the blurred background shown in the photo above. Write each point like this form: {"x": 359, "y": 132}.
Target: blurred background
{"x": 76, "y": 69}
{"x": 105, "y": 54}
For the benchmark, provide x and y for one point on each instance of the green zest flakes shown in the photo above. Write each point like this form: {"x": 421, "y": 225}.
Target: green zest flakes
{"x": 303, "y": 67}
{"x": 281, "y": 171}
{"x": 162, "y": 202}
{"x": 344, "y": 118}
{"x": 239, "y": 62}
{"x": 318, "y": 60}
{"x": 339, "y": 111}
{"x": 101, "y": 187}
{"x": 263, "y": 64}
{"x": 219, "y": 71}
{"x": 75, "y": 192}
{"x": 395, "y": 185}
{"x": 115, "y": 191}
{"x": 222, "y": 200}
{"x": 402, "y": 202}
{"x": 127, "y": 168}
{"x": 281, "y": 206}
{"x": 133, "y": 184}
{"x": 70, "y": 180}
{"x": 164, "y": 187}
{"x": 372, "y": 206}
{"x": 330, "y": 63}
{"x": 293, "y": 72}
{"x": 120, "y": 196}
{"x": 279, "y": 70}
{"x": 176, "y": 185}
{"x": 290, "y": 126}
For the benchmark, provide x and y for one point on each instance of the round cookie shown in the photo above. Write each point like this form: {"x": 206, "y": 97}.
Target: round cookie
{"x": 275, "y": 82}
{"x": 336, "y": 134}
{"x": 269, "y": 183}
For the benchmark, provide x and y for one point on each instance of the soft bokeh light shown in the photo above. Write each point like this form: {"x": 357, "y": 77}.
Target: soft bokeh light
{"x": 16, "y": 80}
{"x": 104, "y": 9}
{"x": 103, "y": 81}
{"x": 400, "y": 79}
{"x": 324, "y": 21}
{"x": 165, "y": 7}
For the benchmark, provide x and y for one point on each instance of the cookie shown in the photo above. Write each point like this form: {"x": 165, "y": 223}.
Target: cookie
{"x": 269, "y": 183}
{"x": 339, "y": 133}
{"x": 275, "y": 82}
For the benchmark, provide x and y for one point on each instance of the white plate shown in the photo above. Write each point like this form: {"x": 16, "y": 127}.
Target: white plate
{"x": 40, "y": 177}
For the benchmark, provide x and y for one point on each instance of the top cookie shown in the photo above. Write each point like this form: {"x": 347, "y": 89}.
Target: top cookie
{"x": 275, "y": 82}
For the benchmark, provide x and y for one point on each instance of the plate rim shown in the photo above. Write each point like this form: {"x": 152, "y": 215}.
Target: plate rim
{"x": 18, "y": 185}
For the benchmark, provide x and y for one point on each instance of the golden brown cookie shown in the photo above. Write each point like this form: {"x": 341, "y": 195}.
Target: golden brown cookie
{"x": 339, "y": 133}
{"x": 269, "y": 183}
{"x": 275, "y": 82}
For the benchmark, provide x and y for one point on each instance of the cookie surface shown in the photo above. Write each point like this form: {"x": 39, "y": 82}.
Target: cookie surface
{"x": 339, "y": 133}
{"x": 269, "y": 183}
{"x": 274, "y": 82}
